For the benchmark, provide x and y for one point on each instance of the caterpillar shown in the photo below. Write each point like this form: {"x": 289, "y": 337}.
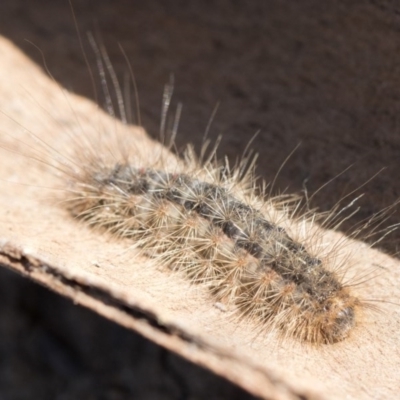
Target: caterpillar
{"x": 197, "y": 223}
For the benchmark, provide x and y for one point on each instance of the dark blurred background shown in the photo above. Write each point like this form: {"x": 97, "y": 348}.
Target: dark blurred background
{"x": 323, "y": 74}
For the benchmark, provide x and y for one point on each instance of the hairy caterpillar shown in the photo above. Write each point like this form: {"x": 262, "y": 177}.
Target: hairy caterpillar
{"x": 209, "y": 224}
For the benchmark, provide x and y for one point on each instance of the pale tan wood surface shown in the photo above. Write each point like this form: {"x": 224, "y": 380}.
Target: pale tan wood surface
{"x": 40, "y": 241}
